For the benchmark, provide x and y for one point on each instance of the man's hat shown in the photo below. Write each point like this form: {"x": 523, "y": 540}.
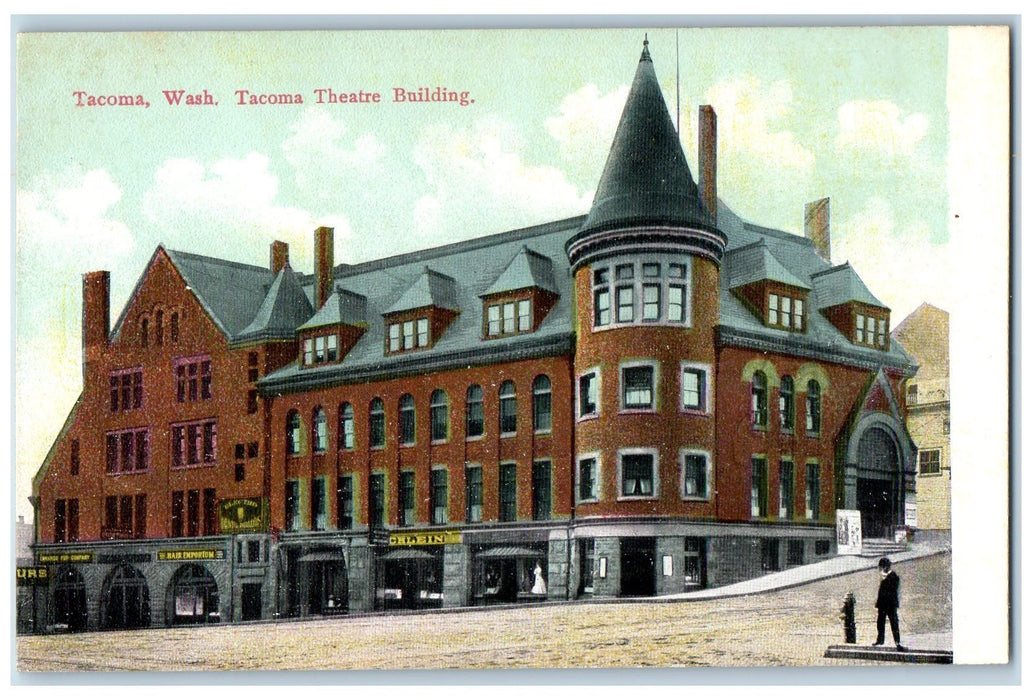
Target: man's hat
{"x": 884, "y": 563}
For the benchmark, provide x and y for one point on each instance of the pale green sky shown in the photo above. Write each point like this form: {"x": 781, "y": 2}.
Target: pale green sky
{"x": 858, "y": 115}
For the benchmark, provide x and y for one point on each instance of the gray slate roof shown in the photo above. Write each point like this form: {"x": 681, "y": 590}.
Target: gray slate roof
{"x": 755, "y": 262}
{"x": 841, "y": 284}
{"x": 431, "y": 288}
{"x": 342, "y": 307}
{"x": 526, "y": 269}
{"x": 284, "y": 308}
{"x": 646, "y": 178}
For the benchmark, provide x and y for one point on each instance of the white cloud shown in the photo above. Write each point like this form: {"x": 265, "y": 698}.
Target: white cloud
{"x": 584, "y": 128}
{"x": 917, "y": 270}
{"x": 233, "y": 203}
{"x": 879, "y": 126}
{"x": 480, "y": 184}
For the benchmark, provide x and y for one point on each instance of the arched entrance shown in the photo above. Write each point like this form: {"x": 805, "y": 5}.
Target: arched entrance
{"x": 126, "y": 599}
{"x": 69, "y": 600}
{"x": 193, "y": 596}
{"x": 878, "y": 483}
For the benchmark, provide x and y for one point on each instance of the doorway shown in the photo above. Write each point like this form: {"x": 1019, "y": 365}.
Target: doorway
{"x": 637, "y": 566}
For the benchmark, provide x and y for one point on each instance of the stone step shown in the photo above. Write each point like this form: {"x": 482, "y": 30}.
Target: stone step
{"x": 889, "y": 653}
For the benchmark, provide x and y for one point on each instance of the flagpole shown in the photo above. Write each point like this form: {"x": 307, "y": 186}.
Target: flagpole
{"x": 677, "y": 55}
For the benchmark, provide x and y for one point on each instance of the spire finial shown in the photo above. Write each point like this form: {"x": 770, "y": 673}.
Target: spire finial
{"x": 645, "y": 49}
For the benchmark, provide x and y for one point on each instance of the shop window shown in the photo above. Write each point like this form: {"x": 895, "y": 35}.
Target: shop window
{"x": 928, "y": 462}
{"x": 588, "y": 394}
{"x": 377, "y": 433}
{"x": 126, "y": 390}
{"x": 759, "y": 487}
{"x": 346, "y": 429}
{"x": 320, "y": 437}
{"x": 786, "y": 508}
{"x": 542, "y": 404}
{"x": 294, "y": 446}
{"x": 759, "y": 401}
{"x": 695, "y": 474}
{"x": 541, "y": 490}
{"x": 694, "y": 380}
{"x": 438, "y": 416}
{"x": 587, "y": 478}
{"x": 474, "y": 411}
{"x": 406, "y": 499}
{"x": 822, "y": 547}
{"x": 813, "y": 491}
{"x": 795, "y": 553}
{"x": 128, "y": 451}
{"x": 637, "y": 475}
{"x": 474, "y": 493}
{"x": 786, "y": 404}
{"x": 813, "y": 407}
{"x": 319, "y": 503}
{"x": 507, "y": 492}
{"x": 193, "y": 378}
{"x": 377, "y": 500}
{"x": 345, "y": 502}
{"x": 292, "y": 506}
{"x": 438, "y": 496}
{"x": 507, "y": 408}
{"x": 638, "y": 387}
{"x": 407, "y": 420}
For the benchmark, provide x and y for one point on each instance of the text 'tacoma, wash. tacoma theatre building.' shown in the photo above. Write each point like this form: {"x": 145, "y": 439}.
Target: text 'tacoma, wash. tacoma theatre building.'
{"x": 654, "y": 396}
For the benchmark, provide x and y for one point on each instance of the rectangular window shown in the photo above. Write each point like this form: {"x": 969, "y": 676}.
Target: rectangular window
{"x": 252, "y": 401}
{"x": 785, "y": 311}
{"x": 73, "y": 459}
{"x": 587, "y": 479}
{"x": 507, "y": 492}
{"x": 345, "y": 502}
{"x": 772, "y": 309}
{"x": 624, "y": 304}
{"x": 786, "y": 509}
{"x": 870, "y": 330}
{"x": 209, "y": 512}
{"x": 309, "y": 354}
{"x": 319, "y": 503}
{"x": 474, "y": 493}
{"x": 602, "y": 307}
{"x": 797, "y": 314}
{"x": 193, "y": 378}
{"x": 126, "y": 389}
{"x": 128, "y": 451}
{"x": 331, "y": 348}
{"x": 438, "y": 496}
{"x": 695, "y": 467}
{"x": 759, "y": 487}
{"x": 408, "y": 335}
{"x": 111, "y": 513}
{"x": 859, "y": 328}
{"x": 422, "y": 332}
{"x": 693, "y": 389}
{"x": 194, "y": 444}
{"x": 140, "y": 516}
{"x": 650, "y": 301}
{"x": 813, "y": 491}
{"x": 73, "y": 520}
{"x": 320, "y": 349}
{"x": 60, "y": 520}
{"x": 880, "y": 341}
{"x": 193, "y": 513}
{"x": 177, "y": 513}
{"x": 675, "y": 303}
{"x": 509, "y": 318}
{"x": 588, "y": 397}
{"x": 795, "y": 552}
{"x": 929, "y": 462}
{"x": 541, "y": 490}
{"x": 524, "y": 317}
{"x": 494, "y": 319}
{"x": 377, "y": 501}
{"x": 638, "y": 389}
{"x": 292, "y": 506}
{"x": 637, "y": 475}
{"x": 317, "y": 350}
{"x": 394, "y": 337}
{"x": 125, "y": 515}
{"x": 407, "y": 498}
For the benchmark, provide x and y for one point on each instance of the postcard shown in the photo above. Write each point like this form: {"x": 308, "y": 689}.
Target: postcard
{"x": 512, "y": 348}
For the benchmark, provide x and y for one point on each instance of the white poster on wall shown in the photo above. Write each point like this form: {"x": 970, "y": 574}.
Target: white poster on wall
{"x": 847, "y": 531}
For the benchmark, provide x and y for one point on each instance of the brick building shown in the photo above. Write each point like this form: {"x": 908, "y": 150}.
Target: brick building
{"x": 925, "y": 334}
{"x": 654, "y": 396}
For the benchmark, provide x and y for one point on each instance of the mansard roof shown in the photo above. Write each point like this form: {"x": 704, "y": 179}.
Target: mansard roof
{"x": 526, "y": 269}
{"x": 755, "y": 263}
{"x": 343, "y": 307}
{"x": 646, "y": 179}
{"x": 284, "y": 308}
{"x": 840, "y": 285}
{"x": 430, "y": 288}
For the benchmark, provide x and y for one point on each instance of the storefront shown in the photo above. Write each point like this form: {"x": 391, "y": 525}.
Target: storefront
{"x": 125, "y": 599}
{"x": 510, "y": 573}
{"x": 69, "y": 600}
{"x": 324, "y": 581}
{"x": 192, "y": 597}
{"x": 413, "y": 578}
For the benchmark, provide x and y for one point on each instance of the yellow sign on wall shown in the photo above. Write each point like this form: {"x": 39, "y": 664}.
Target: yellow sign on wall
{"x": 190, "y": 554}
{"x": 408, "y": 539}
{"x": 243, "y": 515}
{"x": 66, "y": 558}
{"x": 32, "y": 575}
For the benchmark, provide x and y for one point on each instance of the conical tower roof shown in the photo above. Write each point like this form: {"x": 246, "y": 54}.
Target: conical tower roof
{"x": 646, "y": 179}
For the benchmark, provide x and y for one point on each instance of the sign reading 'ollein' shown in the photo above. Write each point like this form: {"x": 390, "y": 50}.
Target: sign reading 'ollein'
{"x": 407, "y": 539}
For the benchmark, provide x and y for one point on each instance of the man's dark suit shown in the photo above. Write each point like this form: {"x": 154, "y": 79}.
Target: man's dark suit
{"x": 888, "y": 604}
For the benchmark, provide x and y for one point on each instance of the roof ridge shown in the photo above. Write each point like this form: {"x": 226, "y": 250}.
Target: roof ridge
{"x": 222, "y": 261}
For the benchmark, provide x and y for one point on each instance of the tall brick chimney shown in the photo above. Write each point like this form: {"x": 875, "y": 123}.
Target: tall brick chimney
{"x": 323, "y": 265}
{"x": 279, "y": 256}
{"x": 708, "y": 159}
{"x": 818, "y": 226}
{"x": 96, "y": 315}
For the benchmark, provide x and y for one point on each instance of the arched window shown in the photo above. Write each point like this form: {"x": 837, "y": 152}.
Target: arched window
{"x": 159, "y": 327}
{"x": 542, "y": 403}
{"x": 759, "y": 400}
{"x": 293, "y": 433}
{"x": 474, "y": 411}
{"x": 144, "y": 332}
{"x": 173, "y": 331}
{"x": 507, "y": 408}
{"x": 438, "y": 415}
{"x": 786, "y": 404}
{"x": 376, "y": 423}
{"x": 813, "y": 406}
{"x": 407, "y": 420}
{"x": 319, "y": 430}
{"x": 346, "y": 434}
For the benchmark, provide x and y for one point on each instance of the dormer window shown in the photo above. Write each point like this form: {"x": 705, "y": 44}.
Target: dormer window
{"x": 520, "y": 297}
{"x": 870, "y": 330}
{"x": 321, "y": 349}
{"x": 408, "y": 335}
{"x": 509, "y": 317}
{"x": 785, "y": 311}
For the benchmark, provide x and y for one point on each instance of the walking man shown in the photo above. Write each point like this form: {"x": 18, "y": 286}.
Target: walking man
{"x": 888, "y": 602}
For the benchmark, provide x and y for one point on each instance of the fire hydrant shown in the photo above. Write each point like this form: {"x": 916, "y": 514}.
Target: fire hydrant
{"x": 848, "y": 617}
